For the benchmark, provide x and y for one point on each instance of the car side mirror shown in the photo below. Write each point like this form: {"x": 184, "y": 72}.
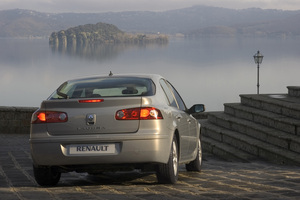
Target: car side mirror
{"x": 197, "y": 108}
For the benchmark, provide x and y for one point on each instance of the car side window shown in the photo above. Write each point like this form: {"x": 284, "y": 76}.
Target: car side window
{"x": 168, "y": 93}
{"x": 178, "y": 98}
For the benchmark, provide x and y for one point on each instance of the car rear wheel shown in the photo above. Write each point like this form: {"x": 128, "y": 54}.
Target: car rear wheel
{"x": 196, "y": 164}
{"x": 46, "y": 176}
{"x": 168, "y": 173}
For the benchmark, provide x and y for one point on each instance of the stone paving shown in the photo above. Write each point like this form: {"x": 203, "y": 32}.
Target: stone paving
{"x": 218, "y": 180}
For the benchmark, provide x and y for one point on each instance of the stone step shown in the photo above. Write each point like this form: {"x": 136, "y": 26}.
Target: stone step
{"x": 282, "y": 104}
{"x": 257, "y": 131}
{"x": 222, "y": 150}
{"x": 267, "y": 118}
{"x": 250, "y": 145}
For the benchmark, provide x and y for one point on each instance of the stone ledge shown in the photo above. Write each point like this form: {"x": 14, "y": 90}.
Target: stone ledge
{"x": 15, "y": 119}
{"x": 294, "y": 91}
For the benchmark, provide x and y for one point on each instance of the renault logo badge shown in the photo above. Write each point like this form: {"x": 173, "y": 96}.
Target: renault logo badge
{"x": 91, "y": 119}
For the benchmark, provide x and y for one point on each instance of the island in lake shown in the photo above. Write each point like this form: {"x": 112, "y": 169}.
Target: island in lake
{"x": 102, "y": 33}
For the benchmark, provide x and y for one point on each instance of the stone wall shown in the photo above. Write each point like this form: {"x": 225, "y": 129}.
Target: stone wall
{"x": 15, "y": 119}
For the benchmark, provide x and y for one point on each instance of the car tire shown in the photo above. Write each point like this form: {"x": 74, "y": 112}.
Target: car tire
{"x": 196, "y": 164}
{"x": 46, "y": 176}
{"x": 168, "y": 173}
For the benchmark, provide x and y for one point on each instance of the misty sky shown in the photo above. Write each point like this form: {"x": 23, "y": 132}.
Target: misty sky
{"x": 55, "y": 6}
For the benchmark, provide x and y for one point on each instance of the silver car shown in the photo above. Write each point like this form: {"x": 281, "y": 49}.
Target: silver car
{"x": 115, "y": 122}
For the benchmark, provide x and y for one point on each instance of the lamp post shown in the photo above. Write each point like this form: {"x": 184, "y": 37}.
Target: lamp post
{"x": 258, "y": 57}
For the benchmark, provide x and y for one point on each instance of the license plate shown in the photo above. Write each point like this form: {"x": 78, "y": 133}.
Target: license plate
{"x": 91, "y": 149}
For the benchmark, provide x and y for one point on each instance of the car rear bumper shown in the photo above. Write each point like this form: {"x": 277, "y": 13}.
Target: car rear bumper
{"x": 130, "y": 149}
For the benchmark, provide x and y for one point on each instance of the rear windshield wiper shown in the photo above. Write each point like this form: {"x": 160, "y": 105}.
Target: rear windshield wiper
{"x": 58, "y": 92}
{"x": 65, "y": 96}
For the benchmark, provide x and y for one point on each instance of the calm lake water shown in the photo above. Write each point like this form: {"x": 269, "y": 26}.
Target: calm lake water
{"x": 212, "y": 71}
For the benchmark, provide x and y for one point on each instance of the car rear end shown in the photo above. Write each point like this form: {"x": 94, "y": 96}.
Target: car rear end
{"x": 102, "y": 120}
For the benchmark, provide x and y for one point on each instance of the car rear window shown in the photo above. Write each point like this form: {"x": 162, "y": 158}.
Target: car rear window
{"x": 105, "y": 87}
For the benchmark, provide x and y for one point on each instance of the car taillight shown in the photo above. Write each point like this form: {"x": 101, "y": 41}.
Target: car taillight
{"x": 138, "y": 114}
{"x": 49, "y": 117}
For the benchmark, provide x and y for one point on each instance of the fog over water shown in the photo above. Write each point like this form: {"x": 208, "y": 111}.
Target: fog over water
{"x": 212, "y": 71}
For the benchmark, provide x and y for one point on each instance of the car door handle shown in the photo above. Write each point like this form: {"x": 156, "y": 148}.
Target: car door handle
{"x": 178, "y": 117}
{"x": 189, "y": 120}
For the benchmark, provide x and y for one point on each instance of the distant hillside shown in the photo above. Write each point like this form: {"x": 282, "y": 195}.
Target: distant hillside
{"x": 26, "y": 23}
{"x": 283, "y": 28}
{"x": 101, "y": 33}
{"x": 193, "y": 21}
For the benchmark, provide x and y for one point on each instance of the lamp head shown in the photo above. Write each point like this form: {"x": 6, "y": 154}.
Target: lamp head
{"x": 258, "y": 57}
